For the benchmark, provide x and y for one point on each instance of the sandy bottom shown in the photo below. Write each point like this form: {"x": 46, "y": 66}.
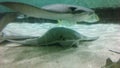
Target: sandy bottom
{"x": 87, "y": 55}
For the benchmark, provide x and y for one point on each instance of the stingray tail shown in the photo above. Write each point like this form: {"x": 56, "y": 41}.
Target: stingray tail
{"x": 32, "y": 41}
{"x": 87, "y": 39}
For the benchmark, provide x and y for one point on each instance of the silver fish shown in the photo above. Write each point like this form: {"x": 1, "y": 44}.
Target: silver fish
{"x": 55, "y": 12}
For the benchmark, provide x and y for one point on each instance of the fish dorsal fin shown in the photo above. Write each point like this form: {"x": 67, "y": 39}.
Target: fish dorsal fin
{"x": 108, "y": 62}
{"x": 118, "y": 61}
{"x": 76, "y": 10}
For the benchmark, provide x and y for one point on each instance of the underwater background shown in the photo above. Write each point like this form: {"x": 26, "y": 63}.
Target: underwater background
{"x": 87, "y": 55}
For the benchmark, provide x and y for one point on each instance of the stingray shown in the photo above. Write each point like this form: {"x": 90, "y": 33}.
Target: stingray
{"x": 59, "y": 36}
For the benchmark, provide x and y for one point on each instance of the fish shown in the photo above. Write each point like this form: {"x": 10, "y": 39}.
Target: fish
{"x": 85, "y": 14}
{"x": 60, "y": 12}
